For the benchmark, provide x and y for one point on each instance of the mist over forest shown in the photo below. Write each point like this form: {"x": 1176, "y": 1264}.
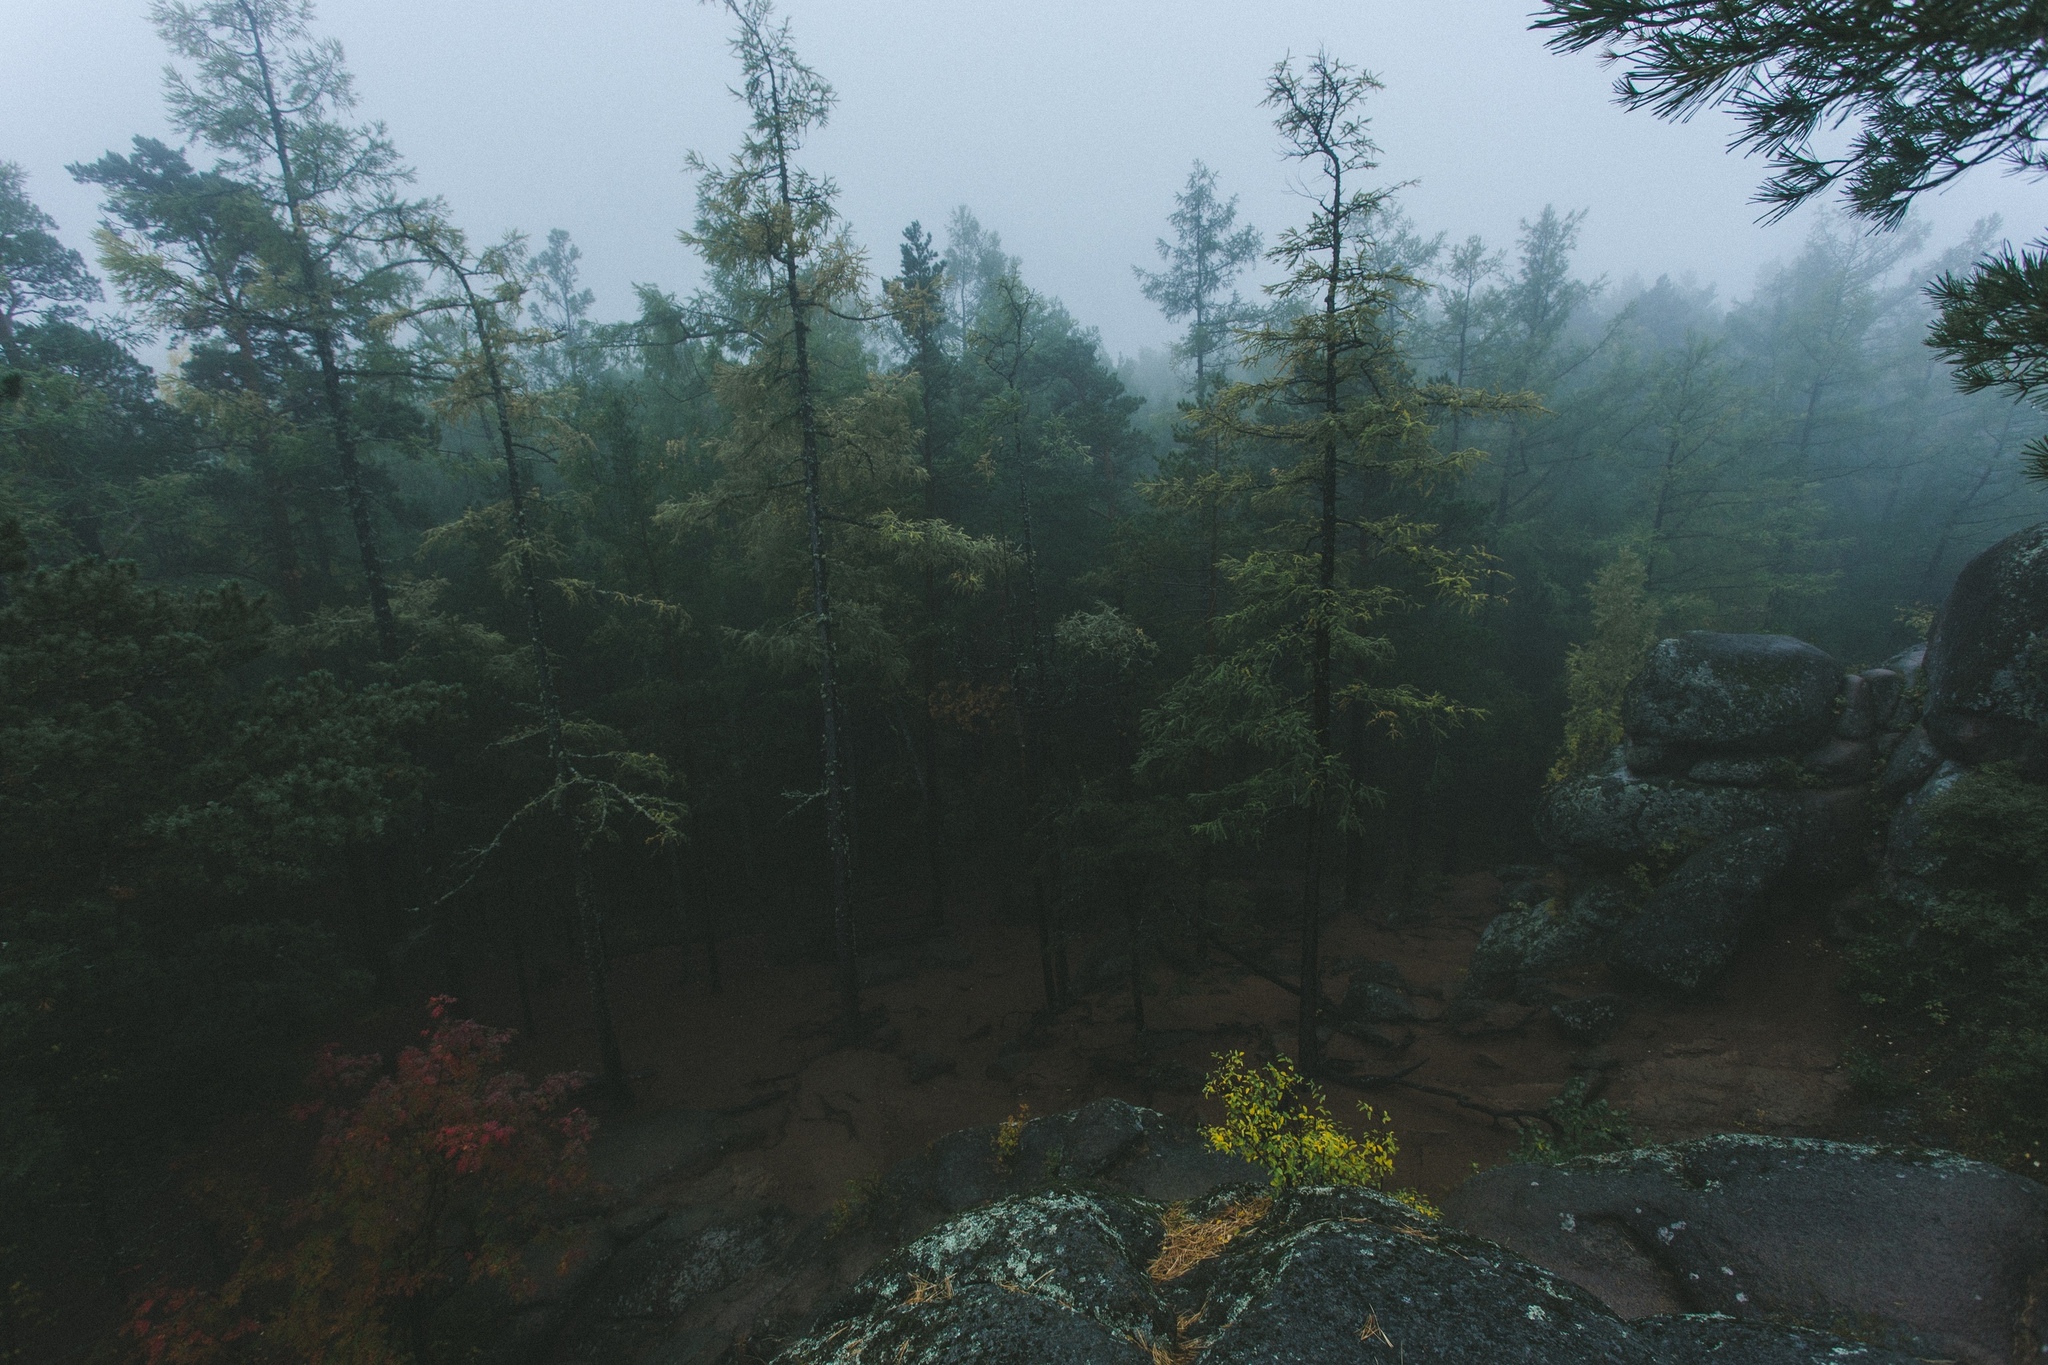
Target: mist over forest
{"x": 667, "y": 761}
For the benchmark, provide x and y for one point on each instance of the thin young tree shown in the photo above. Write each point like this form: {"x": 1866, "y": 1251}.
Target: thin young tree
{"x": 485, "y": 292}
{"x": 1003, "y": 340}
{"x": 917, "y": 302}
{"x": 1338, "y": 410}
{"x": 768, "y": 227}
{"x": 271, "y": 99}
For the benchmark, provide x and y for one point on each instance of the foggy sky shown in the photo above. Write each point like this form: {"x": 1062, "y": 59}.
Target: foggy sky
{"x": 1066, "y": 126}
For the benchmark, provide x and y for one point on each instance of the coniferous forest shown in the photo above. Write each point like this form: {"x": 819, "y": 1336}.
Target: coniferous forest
{"x": 534, "y": 727}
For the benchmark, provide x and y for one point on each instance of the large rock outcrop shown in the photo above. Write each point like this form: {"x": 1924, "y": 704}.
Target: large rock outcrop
{"x": 1746, "y": 772}
{"x": 1987, "y": 657}
{"x": 1075, "y": 1277}
{"x": 1931, "y": 1253}
{"x": 1706, "y": 693}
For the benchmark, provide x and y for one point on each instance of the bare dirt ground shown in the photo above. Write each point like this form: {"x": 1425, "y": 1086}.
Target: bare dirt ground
{"x": 1762, "y": 1053}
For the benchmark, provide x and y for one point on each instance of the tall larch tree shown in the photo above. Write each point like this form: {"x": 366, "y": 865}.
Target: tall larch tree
{"x": 272, "y": 99}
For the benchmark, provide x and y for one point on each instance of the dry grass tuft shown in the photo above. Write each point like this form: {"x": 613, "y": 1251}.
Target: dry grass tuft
{"x": 1189, "y": 1243}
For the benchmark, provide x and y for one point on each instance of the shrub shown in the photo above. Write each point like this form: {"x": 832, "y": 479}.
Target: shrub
{"x": 426, "y": 1180}
{"x": 1276, "y": 1117}
{"x": 1584, "y": 1128}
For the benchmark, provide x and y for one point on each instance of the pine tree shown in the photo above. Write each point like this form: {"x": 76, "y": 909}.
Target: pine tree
{"x": 770, "y": 233}
{"x": 1339, "y": 411}
{"x": 258, "y": 88}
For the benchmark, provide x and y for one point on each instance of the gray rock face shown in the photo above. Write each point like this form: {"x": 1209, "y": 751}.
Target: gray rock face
{"x": 1325, "y": 1276}
{"x": 1911, "y": 763}
{"x": 1987, "y": 658}
{"x": 1940, "y": 1256}
{"x": 1887, "y": 689}
{"x": 1695, "y": 921}
{"x": 1546, "y": 938}
{"x": 1367, "y": 1001}
{"x": 1614, "y": 818}
{"x": 1733, "y": 692}
{"x": 1911, "y": 866}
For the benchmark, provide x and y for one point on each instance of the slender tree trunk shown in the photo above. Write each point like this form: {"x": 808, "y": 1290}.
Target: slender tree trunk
{"x": 320, "y": 298}
{"x": 838, "y": 844}
{"x": 1319, "y": 663}
{"x": 928, "y": 655}
{"x": 589, "y": 917}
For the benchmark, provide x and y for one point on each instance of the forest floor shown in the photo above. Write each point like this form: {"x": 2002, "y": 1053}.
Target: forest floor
{"x": 1763, "y": 1053}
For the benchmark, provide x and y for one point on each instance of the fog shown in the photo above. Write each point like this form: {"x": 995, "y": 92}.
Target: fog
{"x": 1066, "y": 127}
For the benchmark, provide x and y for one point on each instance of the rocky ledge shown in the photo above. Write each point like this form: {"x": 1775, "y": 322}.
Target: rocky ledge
{"x": 1109, "y": 1235}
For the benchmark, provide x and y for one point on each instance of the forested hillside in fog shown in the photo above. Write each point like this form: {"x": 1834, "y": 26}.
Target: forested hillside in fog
{"x": 375, "y": 621}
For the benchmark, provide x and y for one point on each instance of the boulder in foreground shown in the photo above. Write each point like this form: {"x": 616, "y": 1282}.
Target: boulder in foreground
{"x": 1937, "y": 1255}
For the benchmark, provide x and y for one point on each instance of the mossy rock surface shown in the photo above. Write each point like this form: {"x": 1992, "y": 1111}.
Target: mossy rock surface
{"x": 1329, "y": 1276}
{"x": 1924, "y": 1252}
{"x": 1745, "y": 693}
{"x": 1987, "y": 656}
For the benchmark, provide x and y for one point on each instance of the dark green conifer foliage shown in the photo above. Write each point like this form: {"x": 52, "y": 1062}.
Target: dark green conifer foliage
{"x": 37, "y": 272}
{"x": 267, "y": 95}
{"x": 1932, "y": 90}
{"x": 1339, "y": 410}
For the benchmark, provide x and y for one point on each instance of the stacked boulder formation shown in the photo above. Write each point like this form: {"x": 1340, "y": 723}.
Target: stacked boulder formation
{"x": 1746, "y": 772}
{"x": 1757, "y": 766}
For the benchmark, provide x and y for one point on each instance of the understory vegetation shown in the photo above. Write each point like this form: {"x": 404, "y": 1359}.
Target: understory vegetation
{"x": 1957, "y": 975}
{"x": 382, "y": 612}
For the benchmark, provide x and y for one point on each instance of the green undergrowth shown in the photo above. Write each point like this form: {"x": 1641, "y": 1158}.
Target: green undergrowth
{"x": 1963, "y": 978}
{"x": 1585, "y": 1127}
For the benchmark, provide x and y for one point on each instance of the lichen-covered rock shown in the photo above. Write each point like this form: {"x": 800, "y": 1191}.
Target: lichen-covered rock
{"x": 1336, "y": 1276}
{"x": 1717, "y": 1339}
{"x": 1755, "y": 693}
{"x": 1560, "y": 933}
{"x": 1987, "y": 657}
{"x": 1742, "y": 771}
{"x": 1887, "y": 689}
{"x": 1935, "y": 1254}
{"x": 1616, "y": 819}
{"x": 1322, "y": 1277}
{"x": 1840, "y": 762}
{"x": 1591, "y": 1018}
{"x": 1689, "y": 931}
{"x": 1057, "y": 1277}
{"x": 1911, "y": 763}
{"x": 1912, "y": 868}
{"x": 1859, "y": 715}
{"x": 1369, "y": 1001}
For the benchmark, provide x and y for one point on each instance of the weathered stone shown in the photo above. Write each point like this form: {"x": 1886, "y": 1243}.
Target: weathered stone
{"x": 1717, "y": 1339}
{"x": 1591, "y": 1019}
{"x": 1646, "y": 758}
{"x": 1840, "y": 762}
{"x": 1694, "y": 922}
{"x": 1858, "y": 719}
{"x": 1987, "y": 657}
{"x": 1615, "y": 820}
{"x": 1740, "y": 772}
{"x": 1912, "y": 868}
{"x": 1754, "y": 693}
{"x": 920, "y": 1067}
{"x": 1933, "y": 1252}
{"x": 1334, "y": 1277}
{"x": 1550, "y": 937}
{"x": 1057, "y": 1277}
{"x": 1887, "y": 689}
{"x": 1911, "y": 763}
{"x": 1374, "y": 1002}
